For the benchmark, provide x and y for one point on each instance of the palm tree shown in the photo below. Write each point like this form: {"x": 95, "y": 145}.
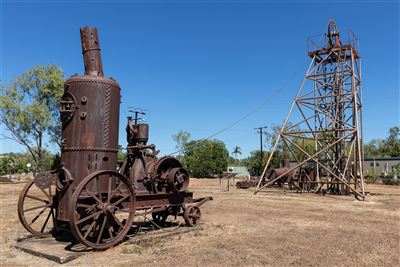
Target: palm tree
{"x": 237, "y": 150}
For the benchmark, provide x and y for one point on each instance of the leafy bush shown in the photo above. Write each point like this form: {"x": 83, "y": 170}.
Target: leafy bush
{"x": 391, "y": 181}
{"x": 205, "y": 158}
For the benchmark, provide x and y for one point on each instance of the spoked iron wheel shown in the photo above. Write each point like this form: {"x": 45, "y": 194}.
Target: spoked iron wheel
{"x": 192, "y": 215}
{"x": 103, "y": 207}
{"x": 178, "y": 179}
{"x": 36, "y": 207}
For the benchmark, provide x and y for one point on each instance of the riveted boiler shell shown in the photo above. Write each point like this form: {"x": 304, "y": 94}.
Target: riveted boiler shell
{"x": 90, "y": 130}
{"x": 93, "y": 129}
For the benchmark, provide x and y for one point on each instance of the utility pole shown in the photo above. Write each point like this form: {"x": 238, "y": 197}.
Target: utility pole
{"x": 261, "y": 131}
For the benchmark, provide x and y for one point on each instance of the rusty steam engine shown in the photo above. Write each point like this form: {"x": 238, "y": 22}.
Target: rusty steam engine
{"x": 86, "y": 195}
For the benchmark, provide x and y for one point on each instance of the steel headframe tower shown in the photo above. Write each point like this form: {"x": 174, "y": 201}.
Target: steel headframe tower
{"x": 327, "y": 116}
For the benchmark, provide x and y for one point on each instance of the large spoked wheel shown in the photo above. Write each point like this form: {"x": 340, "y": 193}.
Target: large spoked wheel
{"x": 192, "y": 215}
{"x": 36, "y": 207}
{"x": 103, "y": 209}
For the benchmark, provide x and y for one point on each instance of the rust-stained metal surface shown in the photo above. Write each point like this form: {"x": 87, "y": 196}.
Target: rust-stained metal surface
{"x": 327, "y": 113}
{"x": 90, "y": 135}
{"x": 271, "y": 174}
{"x": 86, "y": 196}
{"x": 245, "y": 184}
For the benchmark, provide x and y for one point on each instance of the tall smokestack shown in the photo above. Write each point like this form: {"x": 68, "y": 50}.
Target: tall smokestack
{"x": 91, "y": 52}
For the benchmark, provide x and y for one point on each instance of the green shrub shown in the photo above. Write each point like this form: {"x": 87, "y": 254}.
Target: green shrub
{"x": 391, "y": 181}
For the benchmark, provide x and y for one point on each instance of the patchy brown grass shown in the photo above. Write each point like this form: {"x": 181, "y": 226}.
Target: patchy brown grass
{"x": 271, "y": 228}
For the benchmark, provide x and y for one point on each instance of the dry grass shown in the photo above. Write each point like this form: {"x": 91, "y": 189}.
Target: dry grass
{"x": 271, "y": 228}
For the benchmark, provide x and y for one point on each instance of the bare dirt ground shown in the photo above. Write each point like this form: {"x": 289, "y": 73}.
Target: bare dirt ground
{"x": 240, "y": 229}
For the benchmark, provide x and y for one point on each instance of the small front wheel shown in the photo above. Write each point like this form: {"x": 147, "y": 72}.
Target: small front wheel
{"x": 192, "y": 215}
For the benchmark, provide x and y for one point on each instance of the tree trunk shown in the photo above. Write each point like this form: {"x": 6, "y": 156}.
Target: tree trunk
{"x": 39, "y": 153}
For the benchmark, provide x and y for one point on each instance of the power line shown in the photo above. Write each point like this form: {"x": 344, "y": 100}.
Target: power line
{"x": 277, "y": 91}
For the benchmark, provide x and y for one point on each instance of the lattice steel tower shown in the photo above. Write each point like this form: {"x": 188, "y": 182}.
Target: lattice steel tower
{"x": 326, "y": 120}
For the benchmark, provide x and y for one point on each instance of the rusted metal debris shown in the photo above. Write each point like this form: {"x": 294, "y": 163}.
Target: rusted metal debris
{"x": 245, "y": 184}
{"x": 272, "y": 173}
{"x": 86, "y": 196}
{"x": 302, "y": 179}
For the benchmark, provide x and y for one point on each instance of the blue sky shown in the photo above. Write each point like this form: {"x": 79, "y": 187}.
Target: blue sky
{"x": 199, "y": 66}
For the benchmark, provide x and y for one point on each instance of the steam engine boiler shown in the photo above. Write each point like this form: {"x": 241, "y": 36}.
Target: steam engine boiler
{"x": 86, "y": 196}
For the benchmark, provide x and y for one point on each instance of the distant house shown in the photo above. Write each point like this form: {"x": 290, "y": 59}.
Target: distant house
{"x": 375, "y": 166}
{"x": 380, "y": 166}
{"x": 240, "y": 170}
